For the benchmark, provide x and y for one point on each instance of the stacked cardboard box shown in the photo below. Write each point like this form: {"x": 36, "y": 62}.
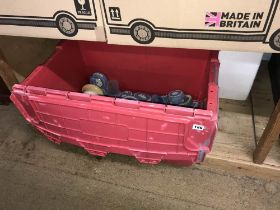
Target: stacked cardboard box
{"x": 216, "y": 24}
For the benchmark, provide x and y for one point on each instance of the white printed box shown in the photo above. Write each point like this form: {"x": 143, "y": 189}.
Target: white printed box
{"x": 207, "y": 24}
{"x": 63, "y": 19}
{"x": 199, "y": 24}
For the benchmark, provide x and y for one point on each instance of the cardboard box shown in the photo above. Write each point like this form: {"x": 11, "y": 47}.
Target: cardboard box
{"x": 209, "y": 24}
{"x": 217, "y": 24}
{"x": 63, "y": 19}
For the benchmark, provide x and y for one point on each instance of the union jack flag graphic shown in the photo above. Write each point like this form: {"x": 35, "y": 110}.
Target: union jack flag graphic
{"x": 213, "y": 19}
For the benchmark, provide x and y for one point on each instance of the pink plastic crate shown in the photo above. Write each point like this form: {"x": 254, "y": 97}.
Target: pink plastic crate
{"x": 50, "y": 100}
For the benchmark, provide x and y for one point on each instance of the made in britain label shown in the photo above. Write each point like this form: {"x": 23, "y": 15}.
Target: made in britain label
{"x": 234, "y": 20}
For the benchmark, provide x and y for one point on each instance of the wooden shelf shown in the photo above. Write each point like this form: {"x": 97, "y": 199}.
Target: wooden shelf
{"x": 241, "y": 124}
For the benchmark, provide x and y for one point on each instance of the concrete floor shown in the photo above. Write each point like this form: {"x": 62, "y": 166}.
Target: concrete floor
{"x": 36, "y": 174}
